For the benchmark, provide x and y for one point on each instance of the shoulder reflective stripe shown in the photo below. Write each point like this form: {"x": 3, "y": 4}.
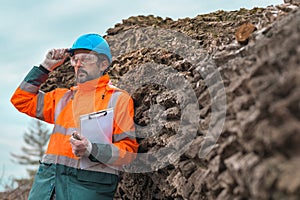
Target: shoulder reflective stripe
{"x": 63, "y": 130}
{"x": 29, "y": 87}
{"x": 119, "y": 137}
{"x": 113, "y": 99}
{"x": 62, "y": 103}
{"x": 63, "y": 160}
{"x": 40, "y": 105}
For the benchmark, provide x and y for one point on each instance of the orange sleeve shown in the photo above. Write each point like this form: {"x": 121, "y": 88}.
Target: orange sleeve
{"x": 124, "y": 130}
{"x": 30, "y": 100}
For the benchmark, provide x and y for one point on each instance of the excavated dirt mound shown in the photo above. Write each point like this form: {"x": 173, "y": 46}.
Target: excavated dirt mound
{"x": 249, "y": 61}
{"x": 257, "y": 154}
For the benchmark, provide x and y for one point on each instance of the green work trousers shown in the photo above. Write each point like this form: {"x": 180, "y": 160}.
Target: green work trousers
{"x": 72, "y": 184}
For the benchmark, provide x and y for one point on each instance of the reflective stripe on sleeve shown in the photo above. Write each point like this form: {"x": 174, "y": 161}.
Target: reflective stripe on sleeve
{"x": 40, "y": 105}
{"x": 115, "y": 155}
{"x": 29, "y": 87}
{"x": 121, "y": 136}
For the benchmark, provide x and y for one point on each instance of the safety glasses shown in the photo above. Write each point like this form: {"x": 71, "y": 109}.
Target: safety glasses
{"x": 84, "y": 58}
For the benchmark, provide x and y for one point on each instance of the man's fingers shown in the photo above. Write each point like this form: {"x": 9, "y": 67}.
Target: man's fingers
{"x": 77, "y": 144}
{"x": 72, "y": 140}
{"x": 58, "y": 54}
{"x": 79, "y": 147}
{"x": 78, "y": 153}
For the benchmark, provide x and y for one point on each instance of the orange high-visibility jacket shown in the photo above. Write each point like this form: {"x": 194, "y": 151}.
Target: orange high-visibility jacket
{"x": 62, "y": 107}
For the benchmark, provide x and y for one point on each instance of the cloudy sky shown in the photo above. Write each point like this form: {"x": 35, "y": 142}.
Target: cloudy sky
{"x": 29, "y": 28}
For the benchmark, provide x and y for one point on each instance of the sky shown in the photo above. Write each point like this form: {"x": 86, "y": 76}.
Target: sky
{"x": 28, "y": 29}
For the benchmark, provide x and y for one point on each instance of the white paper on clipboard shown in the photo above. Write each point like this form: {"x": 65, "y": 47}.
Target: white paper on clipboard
{"x": 97, "y": 127}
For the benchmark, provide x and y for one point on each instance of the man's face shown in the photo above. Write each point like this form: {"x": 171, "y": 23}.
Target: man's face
{"x": 87, "y": 66}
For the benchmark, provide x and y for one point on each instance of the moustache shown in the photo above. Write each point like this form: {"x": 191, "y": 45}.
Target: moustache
{"x": 81, "y": 71}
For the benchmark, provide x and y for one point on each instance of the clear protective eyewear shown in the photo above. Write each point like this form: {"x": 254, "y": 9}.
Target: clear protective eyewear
{"x": 84, "y": 58}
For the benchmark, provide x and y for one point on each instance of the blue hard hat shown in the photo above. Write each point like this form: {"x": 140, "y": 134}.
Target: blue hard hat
{"x": 93, "y": 42}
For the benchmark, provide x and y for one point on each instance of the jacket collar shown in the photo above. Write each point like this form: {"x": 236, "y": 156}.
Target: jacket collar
{"x": 93, "y": 84}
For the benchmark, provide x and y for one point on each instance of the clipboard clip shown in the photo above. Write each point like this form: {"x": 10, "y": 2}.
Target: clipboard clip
{"x": 98, "y": 114}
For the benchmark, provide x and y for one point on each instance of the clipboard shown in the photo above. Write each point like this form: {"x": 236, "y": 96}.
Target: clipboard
{"x": 97, "y": 127}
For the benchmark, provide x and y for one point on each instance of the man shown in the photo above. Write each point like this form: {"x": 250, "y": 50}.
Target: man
{"x": 60, "y": 174}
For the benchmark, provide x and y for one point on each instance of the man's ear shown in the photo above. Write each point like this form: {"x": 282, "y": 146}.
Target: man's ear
{"x": 104, "y": 64}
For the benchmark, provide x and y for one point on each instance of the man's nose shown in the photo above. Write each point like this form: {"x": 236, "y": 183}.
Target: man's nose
{"x": 78, "y": 64}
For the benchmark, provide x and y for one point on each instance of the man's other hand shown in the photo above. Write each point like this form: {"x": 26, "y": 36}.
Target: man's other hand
{"x": 81, "y": 146}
